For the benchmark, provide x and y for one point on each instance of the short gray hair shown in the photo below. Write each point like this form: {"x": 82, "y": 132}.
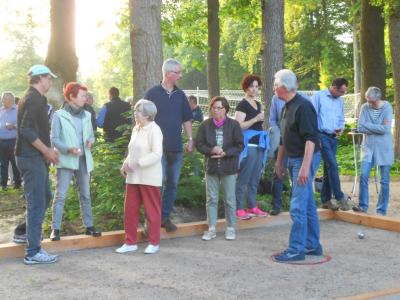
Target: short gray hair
{"x": 373, "y": 93}
{"x": 8, "y": 95}
{"x": 149, "y": 109}
{"x": 286, "y": 78}
{"x": 169, "y": 65}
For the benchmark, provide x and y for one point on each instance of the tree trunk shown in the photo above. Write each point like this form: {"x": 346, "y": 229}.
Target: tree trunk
{"x": 213, "y": 48}
{"x": 372, "y": 48}
{"x": 273, "y": 49}
{"x": 146, "y": 45}
{"x": 356, "y": 58}
{"x": 61, "y": 55}
{"x": 394, "y": 38}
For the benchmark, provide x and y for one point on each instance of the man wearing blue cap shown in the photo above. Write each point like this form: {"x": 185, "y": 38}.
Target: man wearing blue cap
{"x": 33, "y": 154}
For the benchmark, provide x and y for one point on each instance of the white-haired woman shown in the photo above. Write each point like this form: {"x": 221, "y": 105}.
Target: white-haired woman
{"x": 375, "y": 124}
{"x": 143, "y": 172}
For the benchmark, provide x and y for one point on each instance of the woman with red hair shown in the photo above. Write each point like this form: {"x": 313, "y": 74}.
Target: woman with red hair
{"x": 72, "y": 136}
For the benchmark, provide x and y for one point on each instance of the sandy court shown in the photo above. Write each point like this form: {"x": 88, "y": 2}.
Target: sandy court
{"x": 189, "y": 268}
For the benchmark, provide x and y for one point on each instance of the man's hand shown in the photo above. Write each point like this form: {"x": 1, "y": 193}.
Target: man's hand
{"x": 89, "y": 144}
{"x": 74, "y": 151}
{"x": 279, "y": 170}
{"x": 385, "y": 121}
{"x": 221, "y": 155}
{"x": 189, "y": 146}
{"x": 303, "y": 175}
{"x": 51, "y": 156}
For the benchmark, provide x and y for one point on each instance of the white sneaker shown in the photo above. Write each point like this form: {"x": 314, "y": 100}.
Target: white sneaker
{"x": 126, "y": 248}
{"x": 230, "y": 233}
{"x": 151, "y": 249}
{"x": 209, "y": 235}
{"x": 42, "y": 257}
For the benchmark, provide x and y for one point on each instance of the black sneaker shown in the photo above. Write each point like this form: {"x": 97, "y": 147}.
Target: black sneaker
{"x": 274, "y": 212}
{"x": 92, "y": 231}
{"x": 55, "y": 235}
{"x": 344, "y": 205}
{"x": 329, "y": 205}
{"x": 169, "y": 226}
{"x": 19, "y": 238}
{"x": 315, "y": 252}
{"x": 357, "y": 208}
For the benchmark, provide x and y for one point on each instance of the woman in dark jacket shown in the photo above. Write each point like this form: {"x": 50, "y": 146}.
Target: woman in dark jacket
{"x": 220, "y": 139}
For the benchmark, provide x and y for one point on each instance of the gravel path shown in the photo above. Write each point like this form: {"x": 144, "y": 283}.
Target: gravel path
{"x": 188, "y": 268}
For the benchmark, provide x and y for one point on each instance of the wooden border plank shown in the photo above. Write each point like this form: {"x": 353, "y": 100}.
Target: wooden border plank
{"x": 385, "y": 223}
{"x": 373, "y": 295}
{"x": 116, "y": 238}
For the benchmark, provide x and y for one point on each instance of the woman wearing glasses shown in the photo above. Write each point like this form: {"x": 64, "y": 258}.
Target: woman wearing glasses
{"x": 220, "y": 139}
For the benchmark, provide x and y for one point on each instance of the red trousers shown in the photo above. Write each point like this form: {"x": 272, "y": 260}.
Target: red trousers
{"x": 135, "y": 194}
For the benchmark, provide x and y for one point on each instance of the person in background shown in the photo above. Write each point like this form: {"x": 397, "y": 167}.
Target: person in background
{"x": 173, "y": 111}
{"x": 196, "y": 110}
{"x": 72, "y": 135}
{"x": 329, "y": 106}
{"x": 300, "y": 142}
{"x": 250, "y": 117}
{"x": 220, "y": 139}
{"x": 143, "y": 172}
{"x": 89, "y": 107}
{"x": 33, "y": 154}
{"x": 275, "y": 136}
{"x": 110, "y": 115}
{"x": 375, "y": 124}
{"x": 8, "y": 135}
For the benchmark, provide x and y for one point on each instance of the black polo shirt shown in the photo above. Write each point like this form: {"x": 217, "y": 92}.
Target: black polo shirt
{"x": 298, "y": 125}
{"x": 32, "y": 123}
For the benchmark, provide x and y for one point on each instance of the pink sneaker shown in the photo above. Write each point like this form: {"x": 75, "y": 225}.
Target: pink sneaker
{"x": 242, "y": 214}
{"x": 256, "y": 212}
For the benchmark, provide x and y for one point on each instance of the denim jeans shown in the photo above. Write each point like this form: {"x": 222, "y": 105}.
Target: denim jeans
{"x": 277, "y": 187}
{"x": 305, "y": 229}
{"x": 171, "y": 165}
{"x": 228, "y": 183}
{"x": 249, "y": 177}
{"x": 331, "y": 182}
{"x": 35, "y": 173}
{"x": 383, "y": 200}
{"x": 64, "y": 177}
{"x": 7, "y": 156}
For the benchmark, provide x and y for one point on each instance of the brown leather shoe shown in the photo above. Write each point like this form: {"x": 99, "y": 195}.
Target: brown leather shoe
{"x": 168, "y": 225}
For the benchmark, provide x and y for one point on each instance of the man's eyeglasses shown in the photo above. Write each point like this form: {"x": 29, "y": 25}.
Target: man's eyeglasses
{"x": 217, "y": 107}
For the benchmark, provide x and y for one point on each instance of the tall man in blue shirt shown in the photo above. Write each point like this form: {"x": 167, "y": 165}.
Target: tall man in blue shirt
{"x": 330, "y": 113}
{"x": 8, "y": 134}
{"x": 173, "y": 110}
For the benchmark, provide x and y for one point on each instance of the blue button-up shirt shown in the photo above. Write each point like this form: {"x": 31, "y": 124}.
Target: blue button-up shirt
{"x": 275, "y": 111}
{"x": 8, "y": 116}
{"x": 330, "y": 111}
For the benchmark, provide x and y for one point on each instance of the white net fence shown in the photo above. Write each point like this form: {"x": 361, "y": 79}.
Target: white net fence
{"x": 235, "y": 96}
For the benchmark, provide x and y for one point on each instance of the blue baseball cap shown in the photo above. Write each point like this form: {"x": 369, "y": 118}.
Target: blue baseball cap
{"x": 40, "y": 70}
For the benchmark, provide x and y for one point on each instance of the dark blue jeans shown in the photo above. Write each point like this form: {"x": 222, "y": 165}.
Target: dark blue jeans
{"x": 35, "y": 173}
{"x": 6, "y": 157}
{"x": 277, "y": 187}
{"x": 331, "y": 182}
{"x": 171, "y": 165}
{"x": 305, "y": 229}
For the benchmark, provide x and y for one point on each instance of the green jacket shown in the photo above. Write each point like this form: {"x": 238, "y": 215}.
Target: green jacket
{"x": 64, "y": 136}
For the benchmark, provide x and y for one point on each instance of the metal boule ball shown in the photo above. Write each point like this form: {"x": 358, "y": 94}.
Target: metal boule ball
{"x": 361, "y": 235}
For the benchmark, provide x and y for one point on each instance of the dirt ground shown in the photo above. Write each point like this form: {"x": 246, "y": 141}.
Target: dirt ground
{"x": 189, "y": 268}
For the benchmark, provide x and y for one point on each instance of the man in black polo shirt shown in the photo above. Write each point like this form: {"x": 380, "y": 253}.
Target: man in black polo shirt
{"x": 33, "y": 154}
{"x": 110, "y": 115}
{"x": 299, "y": 141}
{"x": 173, "y": 110}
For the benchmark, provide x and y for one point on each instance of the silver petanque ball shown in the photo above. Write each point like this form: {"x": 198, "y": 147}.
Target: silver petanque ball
{"x": 361, "y": 235}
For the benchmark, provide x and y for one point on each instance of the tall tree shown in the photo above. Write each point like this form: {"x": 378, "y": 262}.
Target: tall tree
{"x": 61, "y": 55}
{"x": 146, "y": 44}
{"x": 394, "y": 38}
{"x": 273, "y": 47}
{"x": 213, "y": 48}
{"x": 356, "y": 18}
{"x": 373, "y": 61}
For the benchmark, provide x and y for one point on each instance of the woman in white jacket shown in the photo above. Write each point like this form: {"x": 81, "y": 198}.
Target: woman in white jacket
{"x": 143, "y": 172}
